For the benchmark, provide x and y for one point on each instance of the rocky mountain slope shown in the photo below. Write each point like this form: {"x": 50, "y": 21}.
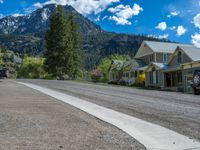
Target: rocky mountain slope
{"x": 25, "y": 34}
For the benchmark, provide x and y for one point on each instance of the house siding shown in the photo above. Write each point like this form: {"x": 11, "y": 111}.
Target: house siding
{"x": 185, "y": 59}
{"x": 160, "y": 80}
{"x": 159, "y": 57}
{"x": 148, "y": 58}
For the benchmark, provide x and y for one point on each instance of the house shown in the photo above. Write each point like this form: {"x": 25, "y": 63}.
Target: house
{"x": 158, "y": 52}
{"x": 177, "y": 74}
{"x": 157, "y": 56}
{"x": 125, "y": 71}
{"x": 184, "y": 61}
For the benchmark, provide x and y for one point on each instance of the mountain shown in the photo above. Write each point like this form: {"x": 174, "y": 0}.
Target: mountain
{"x": 25, "y": 35}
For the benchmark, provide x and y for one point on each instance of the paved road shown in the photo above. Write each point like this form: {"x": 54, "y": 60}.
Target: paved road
{"x": 30, "y": 120}
{"x": 176, "y": 111}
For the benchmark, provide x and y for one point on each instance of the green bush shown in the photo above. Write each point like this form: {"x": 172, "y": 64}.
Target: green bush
{"x": 33, "y": 68}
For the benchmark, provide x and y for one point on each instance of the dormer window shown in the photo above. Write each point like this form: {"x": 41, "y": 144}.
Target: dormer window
{"x": 179, "y": 57}
{"x": 165, "y": 58}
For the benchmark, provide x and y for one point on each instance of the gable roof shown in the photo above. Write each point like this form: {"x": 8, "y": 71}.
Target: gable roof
{"x": 192, "y": 52}
{"x": 130, "y": 65}
{"x": 160, "y": 47}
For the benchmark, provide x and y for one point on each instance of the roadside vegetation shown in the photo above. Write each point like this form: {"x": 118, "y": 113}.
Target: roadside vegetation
{"x": 101, "y": 73}
{"x": 33, "y": 68}
{"x": 7, "y": 60}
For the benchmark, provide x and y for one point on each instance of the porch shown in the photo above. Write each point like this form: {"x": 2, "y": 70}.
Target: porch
{"x": 173, "y": 81}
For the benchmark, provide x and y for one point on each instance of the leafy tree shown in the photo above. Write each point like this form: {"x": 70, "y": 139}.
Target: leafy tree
{"x": 7, "y": 61}
{"x": 62, "y": 43}
{"x": 105, "y": 63}
{"x": 32, "y": 67}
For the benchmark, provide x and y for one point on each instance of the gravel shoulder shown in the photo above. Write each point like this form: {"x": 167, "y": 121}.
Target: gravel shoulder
{"x": 30, "y": 120}
{"x": 176, "y": 111}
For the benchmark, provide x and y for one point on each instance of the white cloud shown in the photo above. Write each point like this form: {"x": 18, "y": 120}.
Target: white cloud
{"x": 162, "y": 26}
{"x": 181, "y": 30}
{"x": 1, "y": 1}
{"x": 122, "y": 13}
{"x": 38, "y": 5}
{"x": 196, "y": 39}
{"x": 120, "y": 21}
{"x": 173, "y": 13}
{"x": 105, "y": 17}
{"x": 97, "y": 19}
{"x": 85, "y": 7}
{"x": 172, "y": 28}
{"x": 196, "y": 21}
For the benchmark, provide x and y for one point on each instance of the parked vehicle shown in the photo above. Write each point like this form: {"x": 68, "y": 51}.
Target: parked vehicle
{"x": 196, "y": 82}
{"x": 4, "y": 73}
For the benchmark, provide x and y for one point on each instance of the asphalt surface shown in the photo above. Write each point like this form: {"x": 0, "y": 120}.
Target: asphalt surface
{"x": 176, "y": 111}
{"x": 30, "y": 120}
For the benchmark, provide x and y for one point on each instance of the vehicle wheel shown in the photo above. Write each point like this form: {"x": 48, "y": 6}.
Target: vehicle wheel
{"x": 196, "y": 92}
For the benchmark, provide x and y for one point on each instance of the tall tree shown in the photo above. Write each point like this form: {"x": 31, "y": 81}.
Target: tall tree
{"x": 76, "y": 45}
{"x": 62, "y": 45}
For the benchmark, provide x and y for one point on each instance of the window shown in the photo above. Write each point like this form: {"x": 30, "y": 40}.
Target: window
{"x": 165, "y": 58}
{"x": 179, "y": 77}
{"x": 151, "y": 58}
{"x": 179, "y": 57}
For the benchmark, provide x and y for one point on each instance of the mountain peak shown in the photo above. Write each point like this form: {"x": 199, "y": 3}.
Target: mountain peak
{"x": 37, "y": 22}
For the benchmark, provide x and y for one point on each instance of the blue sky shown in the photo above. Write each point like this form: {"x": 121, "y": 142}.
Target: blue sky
{"x": 177, "y": 20}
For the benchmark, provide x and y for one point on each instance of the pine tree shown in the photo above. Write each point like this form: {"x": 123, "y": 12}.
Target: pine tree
{"x": 62, "y": 43}
{"x": 76, "y": 45}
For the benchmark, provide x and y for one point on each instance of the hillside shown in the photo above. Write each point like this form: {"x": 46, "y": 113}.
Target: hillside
{"x": 25, "y": 35}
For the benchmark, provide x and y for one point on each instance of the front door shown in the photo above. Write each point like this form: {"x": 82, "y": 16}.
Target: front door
{"x": 168, "y": 79}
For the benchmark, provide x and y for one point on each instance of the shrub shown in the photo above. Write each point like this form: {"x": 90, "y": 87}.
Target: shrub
{"x": 140, "y": 80}
{"x": 96, "y": 76}
{"x": 32, "y": 68}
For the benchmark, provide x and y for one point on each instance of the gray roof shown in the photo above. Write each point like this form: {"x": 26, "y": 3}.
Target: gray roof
{"x": 17, "y": 59}
{"x": 164, "y": 46}
{"x": 192, "y": 52}
{"x": 136, "y": 63}
{"x": 173, "y": 68}
{"x": 130, "y": 65}
{"x": 160, "y": 65}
